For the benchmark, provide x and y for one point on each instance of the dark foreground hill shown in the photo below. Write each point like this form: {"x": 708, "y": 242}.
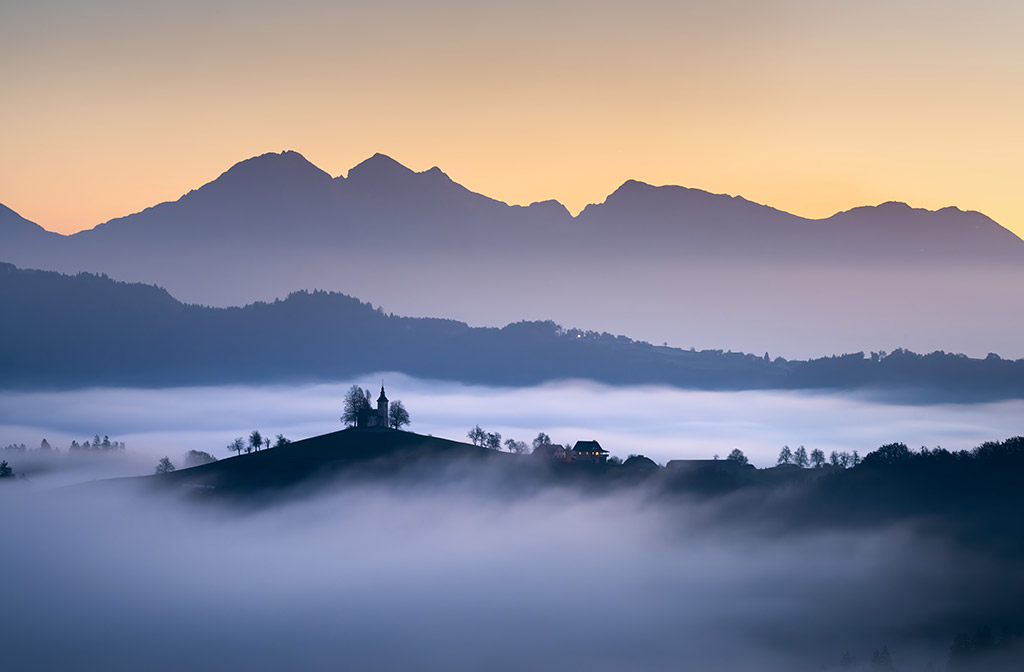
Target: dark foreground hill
{"x": 86, "y": 330}
{"x": 971, "y": 496}
{"x": 349, "y": 454}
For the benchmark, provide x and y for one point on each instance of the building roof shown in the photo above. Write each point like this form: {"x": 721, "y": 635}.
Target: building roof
{"x": 382, "y": 396}
{"x": 589, "y": 447}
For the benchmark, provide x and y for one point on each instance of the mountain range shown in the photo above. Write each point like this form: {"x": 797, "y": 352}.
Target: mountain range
{"x": 663, "y": 263}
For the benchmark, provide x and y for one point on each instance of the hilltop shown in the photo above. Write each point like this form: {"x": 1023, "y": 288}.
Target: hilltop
{"x": 348, "y": 453}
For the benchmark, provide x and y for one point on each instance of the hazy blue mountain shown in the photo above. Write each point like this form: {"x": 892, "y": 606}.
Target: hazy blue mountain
{"x": 24, "y": 239}
{"x": 665, "y": 263}
{"x": 90, "y": 330}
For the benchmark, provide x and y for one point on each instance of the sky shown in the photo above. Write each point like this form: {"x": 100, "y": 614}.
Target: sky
{"x": 810, "y": 106}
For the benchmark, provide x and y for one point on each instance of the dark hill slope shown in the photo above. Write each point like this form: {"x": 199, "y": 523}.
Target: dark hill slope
{"x": 351, "y": 453}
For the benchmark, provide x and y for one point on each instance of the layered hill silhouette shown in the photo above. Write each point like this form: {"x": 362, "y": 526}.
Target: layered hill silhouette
{"x": 90, "y": 330}
{"x": 666, "y": 263}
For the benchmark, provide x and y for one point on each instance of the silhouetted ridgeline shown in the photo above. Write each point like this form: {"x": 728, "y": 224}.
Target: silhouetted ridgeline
{"x": 90, "y": 330}
{"x": 668, "y": 263}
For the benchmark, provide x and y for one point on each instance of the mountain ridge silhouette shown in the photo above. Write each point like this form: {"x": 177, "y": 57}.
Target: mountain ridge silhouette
{"x": 667, "y": 263}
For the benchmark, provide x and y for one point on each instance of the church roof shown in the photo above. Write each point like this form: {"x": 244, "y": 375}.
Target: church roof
{"x": 382, "y": 396}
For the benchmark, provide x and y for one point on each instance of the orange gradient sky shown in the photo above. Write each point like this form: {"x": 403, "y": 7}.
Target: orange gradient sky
{"x": 809, "y": 106}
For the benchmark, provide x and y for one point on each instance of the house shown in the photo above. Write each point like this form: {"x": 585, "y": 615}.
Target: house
{"x": 551, "y": 451}
{"x": 589, "y": 451}
{"x": 369, "y": 417}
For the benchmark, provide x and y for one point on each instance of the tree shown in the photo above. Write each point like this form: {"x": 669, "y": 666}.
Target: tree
{"x": 266, "y": 442}
{"x": 238, "y": 445}
{"x": 477, "y": 436}
{"x": 835, "y": 460}
{"x": 737, "y": 456}
{"x": 881, "y": 660}
{"x": 541, "y": 440}
{"x": 194, "y": 458}
{"x": 255, "y": 441}
{"x": 493, "y": 440}
{"x": 818, "y": 458}
{"x": 855, "y": 459}
{"x": 357, "y": 401}
{"x": 281, "y": 441}
{"x": 398, "y": 417}
{"x": 164, "y": 466}
{"x": 785, "y": 456}
{"x": 889, "y": 454}
{"x": 800, "y": 458}
{"x": 5, "y": 470}
{"x": 518, "y": 447}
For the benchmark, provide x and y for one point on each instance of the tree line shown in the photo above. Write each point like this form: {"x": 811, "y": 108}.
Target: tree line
{"x": 96, "y": 445}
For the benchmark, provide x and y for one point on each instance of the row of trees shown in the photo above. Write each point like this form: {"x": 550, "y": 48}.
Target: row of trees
{"x": 478, "y": 436}
{"x": 358, "y": 401}
{"x": 255, "y": 442}
{"x": 816, "y": 458}
{"x": 96, "y": 445}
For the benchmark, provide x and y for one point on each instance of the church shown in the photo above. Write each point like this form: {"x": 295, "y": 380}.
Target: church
{"x": 369, "y": 417}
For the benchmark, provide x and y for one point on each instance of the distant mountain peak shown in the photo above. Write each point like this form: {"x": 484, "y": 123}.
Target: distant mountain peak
{"x": 267, "y": 171}
{"x": 379, "y": 166}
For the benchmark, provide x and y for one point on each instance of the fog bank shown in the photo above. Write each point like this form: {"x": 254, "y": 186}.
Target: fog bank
{"x": 390, "y": 578}
{"x": 661, "y": 422}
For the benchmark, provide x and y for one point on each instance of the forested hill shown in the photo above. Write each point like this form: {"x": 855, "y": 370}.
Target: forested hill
{"x": 83, "y": 330}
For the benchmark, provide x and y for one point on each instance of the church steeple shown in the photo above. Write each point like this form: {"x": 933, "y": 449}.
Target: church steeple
{"x": 382, "y": 406}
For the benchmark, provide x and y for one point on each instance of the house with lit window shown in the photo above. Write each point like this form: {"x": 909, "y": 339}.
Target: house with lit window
{"x": 589, "y": 451}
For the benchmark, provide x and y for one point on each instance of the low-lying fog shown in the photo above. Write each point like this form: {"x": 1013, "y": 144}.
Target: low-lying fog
{"x": 660, "y": 422}
{"x": 378, "y": 577}
{"x": 107, "y": 577}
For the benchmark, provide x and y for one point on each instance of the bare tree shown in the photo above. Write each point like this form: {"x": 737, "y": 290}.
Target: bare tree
{"x": 357, "y": 401}
{"x": 737, "y": 456}
{"x": 800, "y": 458}
{"x": 517, "y": 447}
{"x": 541, "y": 440}
{"x": 255, "y": 441}
{"x": 785, "y": 456}
{"x": 493, "y": 440}
{"x": 818, "y": 458}
{"x": 477, "y": 436}
{"x": 281, "y": 441}
{"x": 397, "y": 415}
{"x": 238, "y": 445}
{"x": 164, "y": 466}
